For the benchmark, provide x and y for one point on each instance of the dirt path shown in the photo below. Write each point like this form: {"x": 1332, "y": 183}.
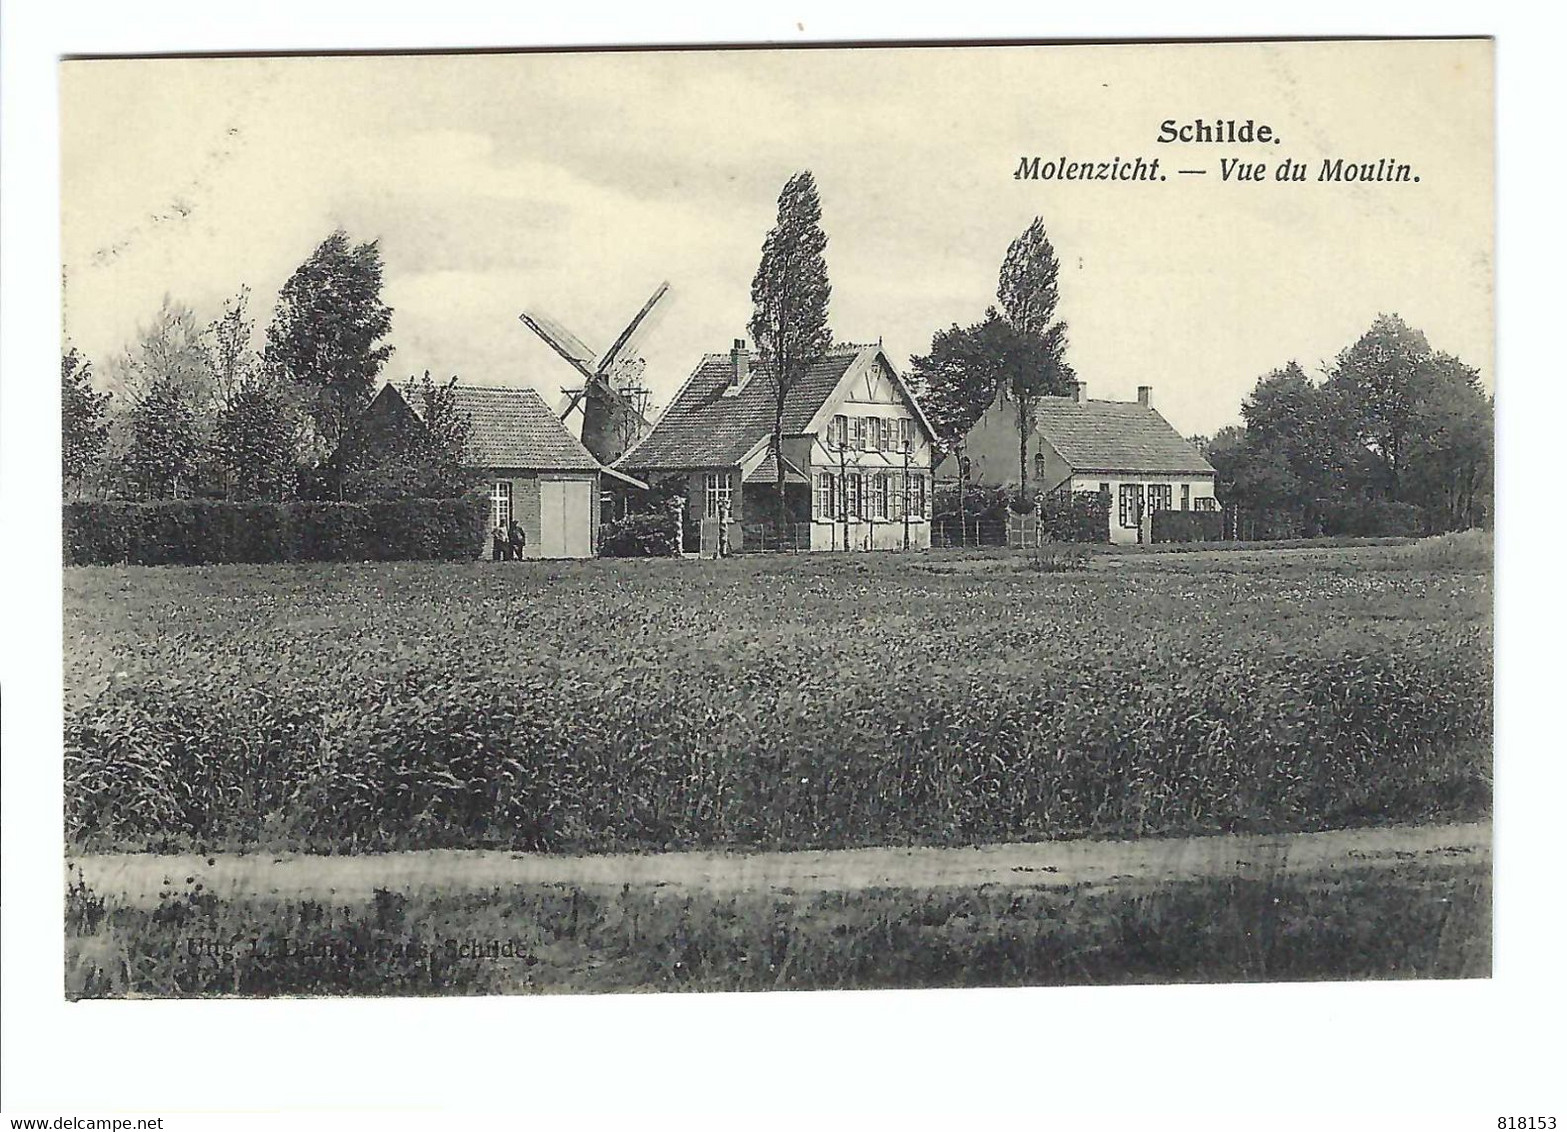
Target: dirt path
{"x": 138, "y": 878}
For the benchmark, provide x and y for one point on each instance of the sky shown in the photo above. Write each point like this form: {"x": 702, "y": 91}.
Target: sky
{"x": 574, "y": 184}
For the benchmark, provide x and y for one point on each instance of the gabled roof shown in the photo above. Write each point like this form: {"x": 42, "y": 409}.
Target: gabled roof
{"x": 1116, "y": 436}
{"x": 705, "y": 428}
{"x": 512, "y": 427}
{"x": 766, "y": 471}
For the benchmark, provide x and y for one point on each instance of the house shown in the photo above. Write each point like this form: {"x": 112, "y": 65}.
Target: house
{"x": 856, "y": 452}
{"x": 1124, "y": 448}
{"x": 532, "y": 468}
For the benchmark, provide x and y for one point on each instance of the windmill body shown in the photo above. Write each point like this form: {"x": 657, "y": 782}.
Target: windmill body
{"x": 612, "y": 398}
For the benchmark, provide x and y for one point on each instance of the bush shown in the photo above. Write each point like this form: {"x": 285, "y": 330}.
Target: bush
{"x": 980, "y": 501}
{"x": 1461, "y": 550}
{"x": 201, "y": 532}
{"x": 1058, "y": 557}
{"x": 1188, "y": 526}
{"x": 1362, "y": 517}
{"x": 649, "y": 535}
{"x": 1077, "y": 516}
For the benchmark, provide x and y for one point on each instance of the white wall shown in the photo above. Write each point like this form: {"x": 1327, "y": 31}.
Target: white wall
{"x": 1201, "y": 487}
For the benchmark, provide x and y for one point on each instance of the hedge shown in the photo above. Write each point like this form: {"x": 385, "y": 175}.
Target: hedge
{"x": 1364, "y": 518}
{"x": 1076, "y": 516}
{"x": 199, "y": 532}
{"x": 1187, "y": 526}
{"x": 649, "y": 535}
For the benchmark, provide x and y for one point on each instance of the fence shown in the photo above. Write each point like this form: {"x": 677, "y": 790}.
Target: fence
{"x": 770, "y": 537}
{"x": 952, "y": 532}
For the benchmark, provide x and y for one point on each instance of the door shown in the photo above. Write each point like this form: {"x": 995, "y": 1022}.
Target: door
{"x": 578, "y": 518}
{"x": 565, "y": 518}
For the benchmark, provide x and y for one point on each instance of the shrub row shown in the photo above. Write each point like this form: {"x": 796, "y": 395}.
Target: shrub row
{"x": 197, "y": 532}
{"x": 1187, "y": 526}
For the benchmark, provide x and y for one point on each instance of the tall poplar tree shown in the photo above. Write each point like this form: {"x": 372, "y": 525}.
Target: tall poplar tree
{"x": 1027, "y": 291}
{"x": 790, "y": 293}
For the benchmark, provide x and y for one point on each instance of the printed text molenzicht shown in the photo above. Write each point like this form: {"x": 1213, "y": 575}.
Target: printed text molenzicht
{"x": 1060, "y": 169}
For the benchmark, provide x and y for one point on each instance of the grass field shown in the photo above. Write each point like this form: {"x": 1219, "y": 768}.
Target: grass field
{"x": 774, "y": 702}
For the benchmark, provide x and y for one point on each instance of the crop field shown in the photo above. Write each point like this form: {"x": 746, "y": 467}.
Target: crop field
{"x": 773, "y": 702}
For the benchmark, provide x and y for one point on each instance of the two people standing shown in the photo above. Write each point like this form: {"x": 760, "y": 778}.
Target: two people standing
{"x": 507, "y": 542}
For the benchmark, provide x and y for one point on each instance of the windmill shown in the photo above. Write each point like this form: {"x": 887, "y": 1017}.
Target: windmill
{"x": 612, "y": 397}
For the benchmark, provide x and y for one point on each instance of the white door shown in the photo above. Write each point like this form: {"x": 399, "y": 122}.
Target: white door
{"x": 565, "y": 521}
{"x": 579, "y": 518}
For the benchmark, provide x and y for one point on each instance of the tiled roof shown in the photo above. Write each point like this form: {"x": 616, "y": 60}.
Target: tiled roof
{"x": 703, "y": 428}
{"x": 1116, "y": 436}
{"x": 767, "y": 471}
{"x": 514, "y": 428}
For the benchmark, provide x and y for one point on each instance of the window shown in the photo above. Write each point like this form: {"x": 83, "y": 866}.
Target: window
{"x": 854, "y": 506}
{"x": 826, "y": 496}
{"x": 1207, "y": 503}
{"x": 1104, "y": 489}
{"x": 838, "y": 433}
{"x": 500, "y": 504}
{"x": 917, "y": 497}
{"x": 1039, "y": 465}
{"x": 1186, "y": 497}
{"x": 897, "y": 499}
{"x": 1131, "y": 509}
{"x": 879, "y": 484}
{"x": 1159, "y": 495}
{"x": 878, "y": 439}
{"x": 857, "y": 433}
{"x": 720, "y": 490}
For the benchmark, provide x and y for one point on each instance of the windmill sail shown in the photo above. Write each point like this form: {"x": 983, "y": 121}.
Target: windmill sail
{"x": 626, "y": 343}
{"x": 611, "y": 421}
{"x": 561, "y": 340}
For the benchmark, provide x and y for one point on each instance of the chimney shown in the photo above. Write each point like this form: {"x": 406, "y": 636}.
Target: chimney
{"x": 1145, "y": 395}
{"x": 1080, "y": 391}
{"x": 739, "y": 363}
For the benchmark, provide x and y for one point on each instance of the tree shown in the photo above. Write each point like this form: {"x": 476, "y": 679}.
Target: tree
{"x": 325, "y": 331}
{"x": 399, "y": 456}
{"x": 167, "y": 440}
{"x": 234, "y": 364}
{"x": 1381, "y": 379}
{"x": 1398, "y": 434}
{"x": 1035, "y": 353}
{"x": 443, "y": 449}
{"x": 167, "y": 370}
{"x": 1027, "y": 287}
{"x": 1421, "y": 416}
{"x": 172, "y": 350}
{"x": 84, "y": 428}
{"x": 789, "y": 294}
{"x": 957, "y": 381}
{"x": 1452, "y": 452}
{"x": 256, "y": 438}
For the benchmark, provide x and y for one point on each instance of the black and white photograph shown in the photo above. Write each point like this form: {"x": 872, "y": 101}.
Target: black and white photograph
{"x": 526, "y": 533}
{"x": 783, "y": 568}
